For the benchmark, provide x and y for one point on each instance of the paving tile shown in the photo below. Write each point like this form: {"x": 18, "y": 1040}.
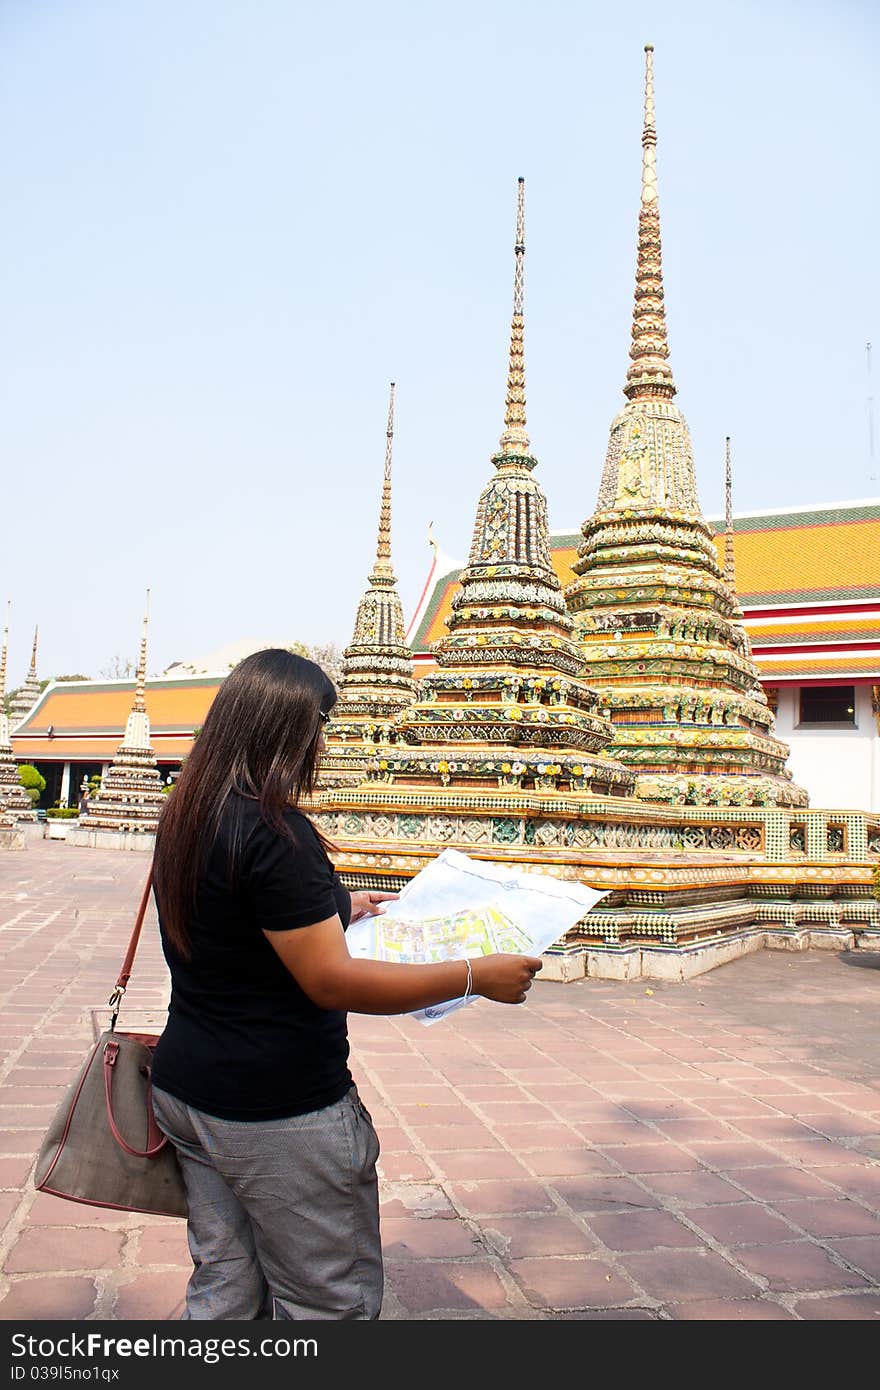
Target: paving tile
{"x": 445, "y": 1138}
{"x": 799, "y": 1266}
{"x": 553, "y": 1163}
{"x": 48, "y": 1298}
{"x": 693, "y": 1189}
{"x": 164, "y": 1245}
{"x": 45, "y": 1249}
{"x": 152, "y": 1297}
{"x": 551, "y": 1282}
{"x": 627, "y": 1314}
{"x": 414, "y": 1237}
{"x": 676, "y": 1276}
{"x": 769, "y": 1184}
{"x": 484, "y": 1198}
{"x": 838, "y": 1217}
{"x": 404, "y": 1167}
{"x": 604, "y": 1194}
{"x": 475, "y": 1164}
{"x": 46, "y": 1210}
{"x": 741, "y": 1223}
{"x": 821, "y": 1153}
{"x": 642, "y": 1230}
{"x": 861, "y": 1251}
{"x": 524, "y": 1138}
{"x": 653, "y": 1158}
{"x": 432, "y": 1287}
{"x": 846, "y": 1308}
{"x": 730, "y": 1310}
{"x": 731, "y": 1155}
{"x": 841, "y": 1124}
{"x": 730, "y": 1105}
{"x": 515, "y": 1237}
{"x": 14, "y": 1171}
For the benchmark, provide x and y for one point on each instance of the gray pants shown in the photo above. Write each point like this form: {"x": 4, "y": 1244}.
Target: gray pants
{"x": 283, "y": 1214}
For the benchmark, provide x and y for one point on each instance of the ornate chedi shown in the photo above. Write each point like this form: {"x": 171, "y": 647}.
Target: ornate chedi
{"x": 658, "y": 619}
{"x": 377, "y": 672}
{"x": 508, "y": 706}
{"x": 15, "y": 804}
{"x": 27, "y": 696}
{"x": 131, "y": 795}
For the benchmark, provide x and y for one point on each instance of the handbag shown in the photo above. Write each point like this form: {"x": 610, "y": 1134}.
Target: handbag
{"x": 103, "y": 1145}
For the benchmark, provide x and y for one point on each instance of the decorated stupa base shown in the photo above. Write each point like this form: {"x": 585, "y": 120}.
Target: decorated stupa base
{"x": 131, "y": 796}
{"x": 674, "y": 666}
{"x": 686, "y": 889}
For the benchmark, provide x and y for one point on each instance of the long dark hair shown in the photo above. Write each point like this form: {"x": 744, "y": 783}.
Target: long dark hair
{"x": 260, "y": 740}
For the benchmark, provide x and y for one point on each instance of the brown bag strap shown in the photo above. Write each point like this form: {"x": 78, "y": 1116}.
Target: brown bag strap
{"x": 125, "y": 973}
{"x": 156, "y": 1140}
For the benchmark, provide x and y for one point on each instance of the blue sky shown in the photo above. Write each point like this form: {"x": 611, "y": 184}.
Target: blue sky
{"x": 227, "y": 226}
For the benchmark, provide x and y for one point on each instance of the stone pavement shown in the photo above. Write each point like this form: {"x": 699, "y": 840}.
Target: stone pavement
{"x": 706, "y": 1150}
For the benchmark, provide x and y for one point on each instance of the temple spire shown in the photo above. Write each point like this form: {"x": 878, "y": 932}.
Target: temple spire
{"x": 383, "y": 568}
{"x": 729, "y": 563}
{"x": 515, "y": 440}
{"x": 140, "y": 701}
{"x": 649, "y": 374}
{"x": 3, "y": 656}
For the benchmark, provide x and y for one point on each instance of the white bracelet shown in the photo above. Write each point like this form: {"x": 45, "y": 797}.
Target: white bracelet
{"x": 470, "y": 981}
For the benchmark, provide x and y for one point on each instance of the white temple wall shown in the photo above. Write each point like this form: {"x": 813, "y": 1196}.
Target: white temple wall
{"x": 838, "y": 765}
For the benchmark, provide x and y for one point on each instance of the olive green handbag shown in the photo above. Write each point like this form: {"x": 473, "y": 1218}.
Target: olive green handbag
{"x": 103, "y": 1146}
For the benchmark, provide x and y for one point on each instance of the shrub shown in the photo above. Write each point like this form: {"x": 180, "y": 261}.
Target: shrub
{"x": 33, "y": 781}
{"x": 61, "y": 812}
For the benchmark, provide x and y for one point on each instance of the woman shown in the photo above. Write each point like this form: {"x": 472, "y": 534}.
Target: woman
{"x": 250, "y": 1077}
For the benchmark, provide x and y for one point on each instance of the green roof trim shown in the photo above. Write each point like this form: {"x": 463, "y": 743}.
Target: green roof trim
{"x": 779, "y": 598}
{"x": 451, "y": 577}
{"x": 789, "y": 521}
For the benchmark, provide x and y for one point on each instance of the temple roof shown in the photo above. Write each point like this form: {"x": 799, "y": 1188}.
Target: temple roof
{"x": 88, "y": 718}
{"x": 816, "y": 567}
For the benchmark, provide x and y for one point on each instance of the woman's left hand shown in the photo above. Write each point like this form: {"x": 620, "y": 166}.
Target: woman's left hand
{"x": 367, "y": 903}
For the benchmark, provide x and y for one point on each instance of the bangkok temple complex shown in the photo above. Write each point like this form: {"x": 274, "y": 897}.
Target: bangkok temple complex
{"x": 604, "y": 706}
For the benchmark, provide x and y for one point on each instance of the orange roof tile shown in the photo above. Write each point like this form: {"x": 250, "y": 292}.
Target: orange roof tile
{"x": 103, "y": 708}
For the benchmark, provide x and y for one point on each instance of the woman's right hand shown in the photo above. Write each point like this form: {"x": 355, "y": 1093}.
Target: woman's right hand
{"x": 504, "y": 978}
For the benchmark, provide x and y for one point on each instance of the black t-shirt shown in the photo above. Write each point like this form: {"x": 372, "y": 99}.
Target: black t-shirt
{"x": 243, "y": 1041}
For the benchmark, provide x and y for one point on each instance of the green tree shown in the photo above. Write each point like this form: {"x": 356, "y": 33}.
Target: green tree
{"x": 33, "y": 781}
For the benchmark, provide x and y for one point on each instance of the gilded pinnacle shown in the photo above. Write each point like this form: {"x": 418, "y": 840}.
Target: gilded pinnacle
{"x": 140, "y": 701}
{"x": 650, "y": 375}
{"x": 34, "y": 652}
{"x": 729, "y": 563}
{"x": 3, "y": 655}
{"x": 382, "y": 568}
{"x": 515, "y": 439}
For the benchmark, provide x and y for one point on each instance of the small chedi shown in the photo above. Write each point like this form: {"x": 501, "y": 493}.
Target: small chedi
{"x": 377, "y": 673}
{"x": 131, "y": 796}
{"x": 29, "y": 693}
{"x": 15, "y": 804}
{"x": 680, "y": 805}
{"x": 659, "y": 621}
